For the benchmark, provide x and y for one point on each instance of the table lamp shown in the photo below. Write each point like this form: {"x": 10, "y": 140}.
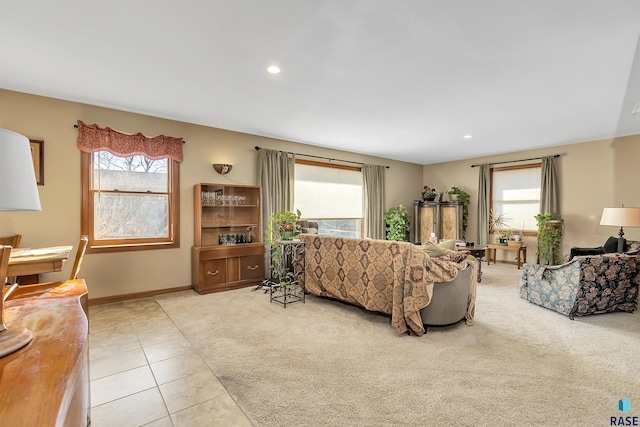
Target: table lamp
{"x": 621, "y": 217}
{"x": 18, "y": 192}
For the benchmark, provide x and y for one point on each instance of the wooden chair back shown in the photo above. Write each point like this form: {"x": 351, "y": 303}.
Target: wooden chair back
{"x": 82, "y": 247}
{"x": 12, "y": 241}
{"x": 5, "y": 252}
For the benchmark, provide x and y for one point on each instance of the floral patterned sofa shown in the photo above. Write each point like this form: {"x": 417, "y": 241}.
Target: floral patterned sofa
{"x": 590, "y": 284}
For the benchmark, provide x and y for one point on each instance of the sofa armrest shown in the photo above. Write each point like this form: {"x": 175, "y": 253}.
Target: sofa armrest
{"x": 553, "y": 287}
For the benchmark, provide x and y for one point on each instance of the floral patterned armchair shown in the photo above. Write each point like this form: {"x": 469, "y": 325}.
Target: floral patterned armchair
{"x": 585, "y": 285}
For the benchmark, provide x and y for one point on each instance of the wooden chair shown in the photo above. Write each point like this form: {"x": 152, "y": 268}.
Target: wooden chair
{"x": 12, "y": 338}
{"x": 5, "y": 252}
{"x": 82, "y": 247}
{"x": 12, "y": 241}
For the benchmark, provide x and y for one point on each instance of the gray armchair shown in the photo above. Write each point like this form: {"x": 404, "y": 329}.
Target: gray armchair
{"x": 308, "y": 227}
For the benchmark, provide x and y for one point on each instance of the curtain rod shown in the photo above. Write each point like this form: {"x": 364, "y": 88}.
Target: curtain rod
{"x": 555, "y": 156}
{"x": 319, "y": 157}
{"x": 183, "y": 141}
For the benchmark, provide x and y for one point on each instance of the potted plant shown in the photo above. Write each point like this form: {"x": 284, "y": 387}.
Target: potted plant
{"x": 283, "y": 226}
{"x": 397, "y": 220}
{"x": 518, "y": 234}
{"x": 429, "y": 193}
{"x": 499, "y": 224}
{"x": 457, "y": 193}
{"x": 550, "y": 231}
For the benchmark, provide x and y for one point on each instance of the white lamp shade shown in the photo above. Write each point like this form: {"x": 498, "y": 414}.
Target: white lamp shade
{"x": 18, "y": 186}
{"x": 621, "y": 217}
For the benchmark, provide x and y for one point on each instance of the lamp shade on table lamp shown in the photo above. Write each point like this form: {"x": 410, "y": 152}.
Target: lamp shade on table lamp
{"x": 18, "y": 192}
{"x": 621, "y": 217}
{"x": 18, "y": 187}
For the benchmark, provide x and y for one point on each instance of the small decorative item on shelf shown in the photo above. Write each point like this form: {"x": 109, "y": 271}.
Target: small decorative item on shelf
{"x": 429, "y": 194}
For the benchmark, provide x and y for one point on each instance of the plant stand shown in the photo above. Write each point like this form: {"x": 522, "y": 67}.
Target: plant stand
{"x": 286, "y": 294}
{"x": 289, "y": 288}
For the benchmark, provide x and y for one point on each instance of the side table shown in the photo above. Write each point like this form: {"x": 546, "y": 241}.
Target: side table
{"x": 520, "y": 250}
{"x": 478, "y": 252}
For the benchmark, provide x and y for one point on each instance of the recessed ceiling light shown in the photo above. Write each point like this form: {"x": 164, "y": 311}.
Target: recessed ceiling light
{"x": 273, "y": 69}
{"x": 468, "y": 136}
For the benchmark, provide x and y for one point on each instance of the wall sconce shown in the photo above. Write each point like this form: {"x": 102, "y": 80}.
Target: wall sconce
{"x": 222, "y": 168}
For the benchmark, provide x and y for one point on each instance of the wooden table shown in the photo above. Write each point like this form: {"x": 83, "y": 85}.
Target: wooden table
{"x": 46, "y": 383}
{"x": 25, "y": 262}
{"x": 478, "y": 252}
{"x": 520, "y": 250}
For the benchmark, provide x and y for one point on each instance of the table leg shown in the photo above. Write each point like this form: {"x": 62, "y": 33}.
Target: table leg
{"x": 518, "y": 252}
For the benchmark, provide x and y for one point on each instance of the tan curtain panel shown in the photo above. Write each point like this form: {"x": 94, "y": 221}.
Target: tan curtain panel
{"x": 373, "y": 180}
{"x": 276, "y": 179}
{"x": 549, "y": 187}
{"x": 93, "y": 138}
{"x": 484, "y": 203}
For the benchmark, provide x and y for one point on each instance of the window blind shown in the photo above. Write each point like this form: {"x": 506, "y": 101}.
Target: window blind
{"x": 325, "y": 192}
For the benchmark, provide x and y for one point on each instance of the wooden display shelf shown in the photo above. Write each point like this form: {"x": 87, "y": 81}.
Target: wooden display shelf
{"x": 220, "y": 267}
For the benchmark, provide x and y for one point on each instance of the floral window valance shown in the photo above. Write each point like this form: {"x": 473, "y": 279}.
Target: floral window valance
{"x": 93, "y": 138}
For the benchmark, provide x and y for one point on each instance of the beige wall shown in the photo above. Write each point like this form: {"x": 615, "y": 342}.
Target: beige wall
{"x": 123, "y": 273}
{"x": 593, "y": 175}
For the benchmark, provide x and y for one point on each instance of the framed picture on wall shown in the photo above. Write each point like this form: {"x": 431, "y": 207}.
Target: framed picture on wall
{"x": 37, "y": 154}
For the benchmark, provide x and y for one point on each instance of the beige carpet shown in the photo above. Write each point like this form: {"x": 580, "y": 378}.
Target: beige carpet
{"x": 325, "y": 363}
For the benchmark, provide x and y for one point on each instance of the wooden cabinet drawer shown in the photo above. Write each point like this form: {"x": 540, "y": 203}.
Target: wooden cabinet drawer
{"x": 217, "y": 269}
{"x": 214, "y": 271}
{"x": 252, "y": 267}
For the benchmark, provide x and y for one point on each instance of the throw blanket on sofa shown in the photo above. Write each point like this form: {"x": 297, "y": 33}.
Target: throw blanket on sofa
{"x": 395, "y": 278}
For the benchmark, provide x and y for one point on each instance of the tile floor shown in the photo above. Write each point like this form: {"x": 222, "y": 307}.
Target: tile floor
{"x": 143, "y": 372}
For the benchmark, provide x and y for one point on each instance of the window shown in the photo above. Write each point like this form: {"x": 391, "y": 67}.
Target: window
{"x": 515, "y": 192}
{"x": 130, "y": 190}
{"x": 330, "y": 195}
{"x": 129, "y": 202}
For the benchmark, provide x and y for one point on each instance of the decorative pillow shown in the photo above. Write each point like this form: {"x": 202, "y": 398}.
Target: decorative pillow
{"x": 440, "y": 249}
{"x": 588, "y": 251}
{"x": 611, "y": 245}
{"x": 633, "y": 247}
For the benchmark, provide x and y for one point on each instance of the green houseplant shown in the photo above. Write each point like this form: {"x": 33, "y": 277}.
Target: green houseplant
{"x": 550, "y": 231}
{"x": 457, "y": 193}
{"x": 282, "y": 226}
{"x": 397, "y": 220}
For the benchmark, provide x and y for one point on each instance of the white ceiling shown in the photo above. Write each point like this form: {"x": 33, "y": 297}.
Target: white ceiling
{"x": 403, "y": 80}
